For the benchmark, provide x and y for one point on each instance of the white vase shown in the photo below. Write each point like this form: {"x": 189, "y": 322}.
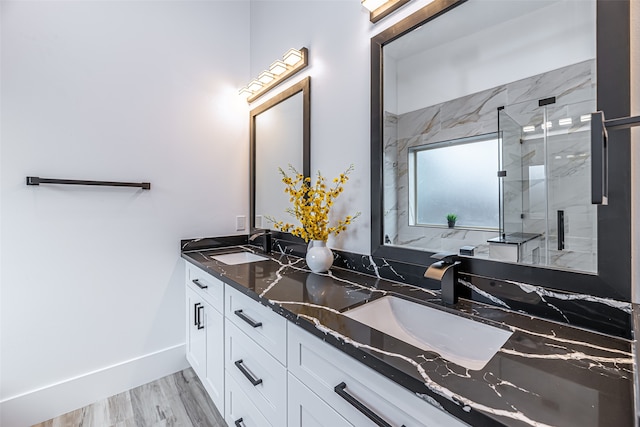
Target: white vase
{"x": 319, "y": 256}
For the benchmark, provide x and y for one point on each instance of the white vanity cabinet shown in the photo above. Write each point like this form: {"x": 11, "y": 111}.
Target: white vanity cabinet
{"x": 205, "y": 331}
{"x": 255, "y": 359}
{"x": 352, "y": 389}
{"x": 263, "y": 371}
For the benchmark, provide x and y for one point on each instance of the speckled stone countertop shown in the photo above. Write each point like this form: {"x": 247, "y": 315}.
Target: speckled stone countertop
{"x": 546, "y": 374}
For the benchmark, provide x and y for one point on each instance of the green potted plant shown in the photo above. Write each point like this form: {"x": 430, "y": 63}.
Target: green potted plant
{"x": 451, "y": 220}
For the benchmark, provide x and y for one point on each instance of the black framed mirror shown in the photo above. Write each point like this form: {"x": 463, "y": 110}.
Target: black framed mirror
{"x": 610, "y": 274}
{"x": 280, "y": 135}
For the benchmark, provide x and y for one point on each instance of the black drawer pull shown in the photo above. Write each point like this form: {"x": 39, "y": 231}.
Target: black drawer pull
{"x": 247, "y": 319}
{"x": 200, "y": 324}
{"x": 200, "y": 285}
{"x": 247, "y": 374}
{"x": 360, "y": 406}
{"x": 195, "y": 314}
{"x": 239, "y": 422}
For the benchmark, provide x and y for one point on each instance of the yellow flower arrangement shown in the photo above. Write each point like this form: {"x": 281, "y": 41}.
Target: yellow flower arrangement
{"x": 311, "y": 205}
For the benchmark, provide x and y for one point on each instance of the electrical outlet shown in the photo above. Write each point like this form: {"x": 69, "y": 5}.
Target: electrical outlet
{"x": 240, "y": 222}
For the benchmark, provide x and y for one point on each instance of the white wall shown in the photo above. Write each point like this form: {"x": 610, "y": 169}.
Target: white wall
{"x": 92, "y": 281}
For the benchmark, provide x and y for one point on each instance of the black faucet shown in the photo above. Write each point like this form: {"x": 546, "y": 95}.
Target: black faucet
{"x": 446, "y": 272}
{"x": 266, "y": 240}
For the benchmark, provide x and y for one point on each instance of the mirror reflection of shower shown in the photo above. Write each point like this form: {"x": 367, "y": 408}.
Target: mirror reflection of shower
{"x": 442, "y": 84}
{"x": 546, "y": 216}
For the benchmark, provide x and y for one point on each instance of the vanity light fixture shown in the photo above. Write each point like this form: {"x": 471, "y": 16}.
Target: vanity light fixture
{"x": 278, "y": 68}
{"x": 378, "y": 9}
{"x": 372, "y": 5}
{"x": 292, "y": 57}
{"x": 245, "y": 92}
{"x": 529, "y": 129}
{"x": 565, "y": 122}
{"x": 265, "y": 77}
{"x": 254, "y": 86}
{"x": 292, "y": 62}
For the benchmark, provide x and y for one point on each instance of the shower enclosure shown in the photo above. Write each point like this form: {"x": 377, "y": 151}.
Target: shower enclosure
{"x": 544, "y": 184}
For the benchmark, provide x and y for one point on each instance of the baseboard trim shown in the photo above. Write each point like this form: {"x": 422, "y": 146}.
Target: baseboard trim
{"x": 59, "y": 398}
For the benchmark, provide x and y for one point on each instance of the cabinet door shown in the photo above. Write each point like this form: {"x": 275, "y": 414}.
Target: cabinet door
{"x": 214, "y": 380}
{"x": 196, "y": 339}
{"x": 306, "y": 409}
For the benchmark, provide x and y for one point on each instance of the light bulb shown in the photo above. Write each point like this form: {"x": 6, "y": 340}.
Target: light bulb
{"x": 255, "y": 85}
{"x": 292, "y": 57}
{"x": 278, "y": 68}
{"x": 265, "y": 77}
{"x": 245, "y": 92}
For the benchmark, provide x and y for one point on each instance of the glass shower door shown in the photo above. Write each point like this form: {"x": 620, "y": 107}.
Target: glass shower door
{"x": 524, "y": 185}
{"x": 572, "y": 217}
{"x": 510, "y": 174}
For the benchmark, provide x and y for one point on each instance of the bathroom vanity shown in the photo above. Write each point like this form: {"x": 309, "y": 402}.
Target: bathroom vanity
{"x": 275, "y": 344}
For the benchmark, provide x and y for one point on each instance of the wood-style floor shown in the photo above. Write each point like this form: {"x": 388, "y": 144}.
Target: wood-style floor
{"x": 178, "y": 400}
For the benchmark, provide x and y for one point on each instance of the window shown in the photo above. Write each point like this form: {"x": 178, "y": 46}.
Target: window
{"x": 458, "y": 177}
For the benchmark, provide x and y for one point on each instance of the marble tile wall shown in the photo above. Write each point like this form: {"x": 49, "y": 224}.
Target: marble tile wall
{"x": 477, "y": 114}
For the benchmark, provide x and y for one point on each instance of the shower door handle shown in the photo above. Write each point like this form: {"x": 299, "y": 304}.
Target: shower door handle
{"x": 560, "y": 230}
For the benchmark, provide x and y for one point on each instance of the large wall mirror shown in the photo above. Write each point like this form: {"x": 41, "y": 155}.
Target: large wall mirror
{"x": 481, "y": 110}
{"x": 279, "y": 137}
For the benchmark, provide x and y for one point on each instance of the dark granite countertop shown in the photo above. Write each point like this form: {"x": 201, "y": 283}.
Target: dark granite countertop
{"x": 546, "y": 374}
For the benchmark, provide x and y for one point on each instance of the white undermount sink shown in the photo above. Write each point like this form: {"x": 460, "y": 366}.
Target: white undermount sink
{"x": 457, "y": 339}
{"x": 238, "y": 258}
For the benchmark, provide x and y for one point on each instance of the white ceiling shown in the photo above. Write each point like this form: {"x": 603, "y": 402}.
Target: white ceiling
{"x": 468, "y": 18}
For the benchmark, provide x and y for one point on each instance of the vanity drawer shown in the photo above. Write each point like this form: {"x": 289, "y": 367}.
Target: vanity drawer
{"x": 239, "y": 411}
{"x": 308, "y": 410}
{"x": 324, "y": 369}
{"x": 261, "y": 377}
{"x": 264, "y": 326}
{"x": 211, "y": 289}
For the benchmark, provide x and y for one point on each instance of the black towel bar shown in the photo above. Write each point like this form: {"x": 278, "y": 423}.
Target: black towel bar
{"x": 35, "y": 180}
